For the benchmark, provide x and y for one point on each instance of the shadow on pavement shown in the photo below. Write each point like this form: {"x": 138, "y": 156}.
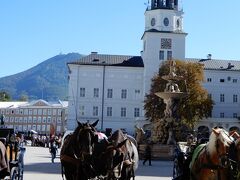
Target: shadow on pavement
{"x": 50, "y": 168}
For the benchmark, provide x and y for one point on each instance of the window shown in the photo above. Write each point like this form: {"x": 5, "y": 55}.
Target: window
{"x": 234, "y": 80}
{"x": 161, "y": 55}
{"x": 25, "y": 112}
{"x": 124, "y": 94}
{"x": 34, "y": 111}
{"x": 82, "y": 92}
{"x": 222, "y": 80}
{"x": 44, "y": 112}
{"x": 109, "y": 93}
{"x": 30, "y": 119}
{"x": 34, "y": 119}
{"x": 221, "y": 97}
{"x": 169, "y": 55}
{"x": 39, "y": 111}
{"x": 234, "y": 115}
{"x": 81, "y": 110}
{"x": 136, "y": 112}
{"x": 30, "y": 112}
{"x": 96, "y": 92}
{"x": 137, "y": 93}
{"x": 209, "y": 79}
{"x": 49, "y": 119}
{"x": 95, "y": 110}
{"x": 44, "y": 120}
{"x": 235, "y": 98}
{"x": 49, "y": 111}
{"x": 39, "y": 119}
{"x": 54, "y": 111}
{"x": 123, "y": 112}
{"x": 221, "y": 115}
{"x": 210, "y": 96}
{"x": 109, "y": 111}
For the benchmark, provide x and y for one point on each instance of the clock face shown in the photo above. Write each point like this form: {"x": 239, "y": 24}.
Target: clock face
{"x": 166, "y": 43}
{"x": 153, "y": 21}
{"x": 166, "y": 21}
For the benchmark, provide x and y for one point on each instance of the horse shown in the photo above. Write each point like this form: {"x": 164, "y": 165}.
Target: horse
{"x": 209, "y": 161}
{"x": 76, "y": 152}
{"x": 140, "y": 134}
{"x": 4, "y": 165}
{"x": 121, "y": 157}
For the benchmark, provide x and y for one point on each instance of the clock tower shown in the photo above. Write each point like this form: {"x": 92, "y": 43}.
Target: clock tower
{"x": 163, "y": 37}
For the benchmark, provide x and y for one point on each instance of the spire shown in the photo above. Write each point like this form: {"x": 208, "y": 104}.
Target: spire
{"x": 164, "y": 4}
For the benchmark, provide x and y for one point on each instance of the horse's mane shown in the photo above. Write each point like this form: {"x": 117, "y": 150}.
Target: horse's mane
{"x": 211, "y": 145}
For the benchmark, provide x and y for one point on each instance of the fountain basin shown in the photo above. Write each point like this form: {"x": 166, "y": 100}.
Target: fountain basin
{"x": 171, "y": 95}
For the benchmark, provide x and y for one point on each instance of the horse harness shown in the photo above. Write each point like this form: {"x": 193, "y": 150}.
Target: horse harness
{"x": 209, "y": 164}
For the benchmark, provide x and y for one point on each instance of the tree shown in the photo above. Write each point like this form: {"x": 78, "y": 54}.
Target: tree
{"x": 4, "y": 96}
{"x": 195, "y": 106}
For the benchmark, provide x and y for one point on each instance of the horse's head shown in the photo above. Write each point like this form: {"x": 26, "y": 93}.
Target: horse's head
{"x": 114, "y": 158}
{"x": 85, "y": 138}
{"x": 222, "y": 143}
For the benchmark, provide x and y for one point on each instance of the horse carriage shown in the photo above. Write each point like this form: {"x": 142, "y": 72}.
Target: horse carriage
{"x": 85, "y": 155}
{"x": 216, "y": 157}
{"x": 11, "y": 155}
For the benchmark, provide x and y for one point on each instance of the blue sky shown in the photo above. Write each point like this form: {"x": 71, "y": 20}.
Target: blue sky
{"x": 33, "y": 31}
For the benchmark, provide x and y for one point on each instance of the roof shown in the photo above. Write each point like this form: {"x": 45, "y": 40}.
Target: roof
{"x": 214, "y": 64}
{"x": 110, "y": 60}
{"x": 40, "y": 102}
{"x": 12, "y": 104}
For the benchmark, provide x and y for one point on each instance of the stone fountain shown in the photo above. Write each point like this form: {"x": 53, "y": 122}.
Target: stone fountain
{"x": 162, "y": 131}
{"x": 170, "y": 94}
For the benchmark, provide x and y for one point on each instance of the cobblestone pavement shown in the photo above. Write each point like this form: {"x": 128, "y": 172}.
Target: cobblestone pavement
{"x": 38, "y": 166}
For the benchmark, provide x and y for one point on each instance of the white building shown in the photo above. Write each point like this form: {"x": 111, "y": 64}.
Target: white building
{"x": 37, "y": 115}
{"x": 111, "y": 88}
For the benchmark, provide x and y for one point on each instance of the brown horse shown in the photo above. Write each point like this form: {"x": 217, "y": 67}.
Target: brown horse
{"x": 77, "y": 150}
{"x": 121, "y": 157}
{"x": 209, "y": 160}
{"x": 4, "y": 166}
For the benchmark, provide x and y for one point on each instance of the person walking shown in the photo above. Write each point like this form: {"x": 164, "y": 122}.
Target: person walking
{"x": 148, "y": 155}
{"x": 53, "y": 151}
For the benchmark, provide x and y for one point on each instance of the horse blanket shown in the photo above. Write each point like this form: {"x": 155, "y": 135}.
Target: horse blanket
{"x": 196, "y": 153}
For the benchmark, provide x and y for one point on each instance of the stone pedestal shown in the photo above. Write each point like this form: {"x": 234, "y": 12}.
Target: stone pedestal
{"x": 159, "y": 151}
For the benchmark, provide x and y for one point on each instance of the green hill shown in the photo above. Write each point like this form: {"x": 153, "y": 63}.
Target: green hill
{"x": 47, "y": 80}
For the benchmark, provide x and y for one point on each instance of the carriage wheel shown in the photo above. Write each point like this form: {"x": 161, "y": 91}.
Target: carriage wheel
{"x": 14, "y": 174}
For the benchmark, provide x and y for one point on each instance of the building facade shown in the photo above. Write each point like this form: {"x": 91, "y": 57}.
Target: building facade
{"x": 39, "y": 116}
{"x": 112, "y": 88}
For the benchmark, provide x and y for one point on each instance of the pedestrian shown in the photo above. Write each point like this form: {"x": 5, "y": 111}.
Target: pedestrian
{"x": 53, "y": 151}
{"x": 148, "y": 155}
